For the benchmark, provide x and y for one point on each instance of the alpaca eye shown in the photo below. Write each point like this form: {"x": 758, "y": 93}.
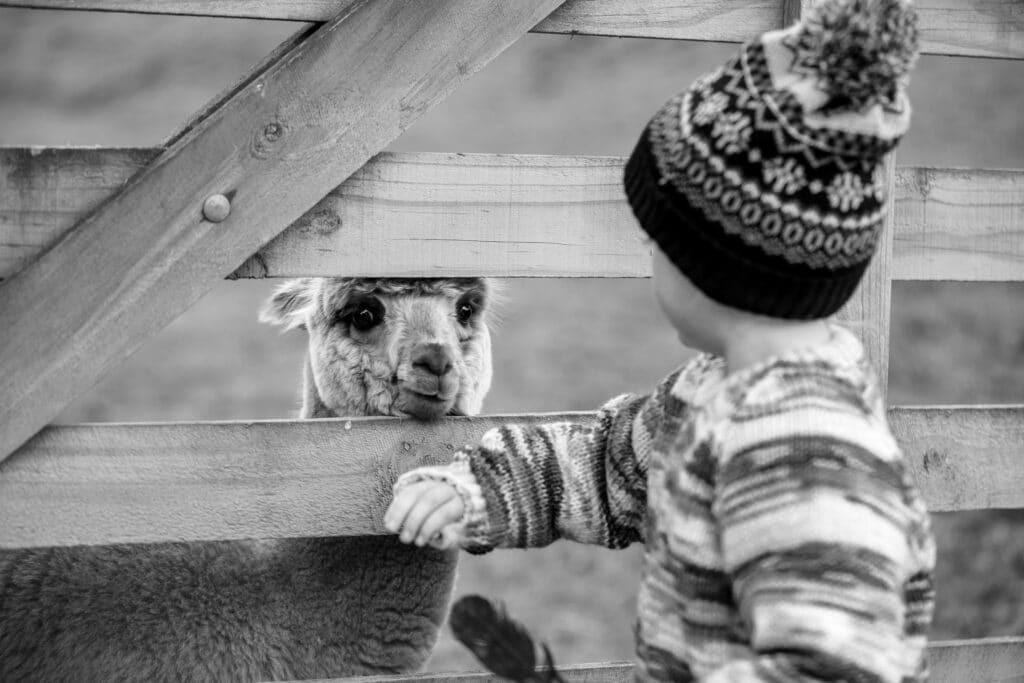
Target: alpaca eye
{"x": 364, "y": 319}
{"x": 363, "y": 315}
{"x": 464, "y": 312}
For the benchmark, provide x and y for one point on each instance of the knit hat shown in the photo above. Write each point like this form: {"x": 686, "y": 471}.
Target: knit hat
{"x": 763, "y": 182}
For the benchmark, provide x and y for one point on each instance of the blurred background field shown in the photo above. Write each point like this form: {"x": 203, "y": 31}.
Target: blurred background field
{"x": 126, "y": 80}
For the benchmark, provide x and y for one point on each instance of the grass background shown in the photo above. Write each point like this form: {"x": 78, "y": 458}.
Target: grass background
{"x": 127, "y": 80}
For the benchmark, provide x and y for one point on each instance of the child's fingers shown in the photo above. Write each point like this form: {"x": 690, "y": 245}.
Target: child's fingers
{"x": 402, "y": 503}
{"x": 438, "y": 519}
{"x": 429, "y": 499}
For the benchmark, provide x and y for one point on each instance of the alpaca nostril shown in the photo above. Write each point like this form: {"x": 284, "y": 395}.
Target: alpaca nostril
{"x": 433, "y": 358}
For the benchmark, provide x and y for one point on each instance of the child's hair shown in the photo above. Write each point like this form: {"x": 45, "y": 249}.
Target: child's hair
{"x": 763, "y": 182}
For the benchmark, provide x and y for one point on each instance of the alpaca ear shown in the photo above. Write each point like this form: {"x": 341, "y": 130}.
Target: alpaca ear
{"x": 289, "y": 304}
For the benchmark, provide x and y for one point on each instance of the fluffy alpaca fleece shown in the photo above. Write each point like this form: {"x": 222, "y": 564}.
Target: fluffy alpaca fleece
{"x": 276, "y": 608}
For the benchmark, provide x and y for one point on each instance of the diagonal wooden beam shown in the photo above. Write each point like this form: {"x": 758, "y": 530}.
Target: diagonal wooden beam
{"x": 274, "y": 148}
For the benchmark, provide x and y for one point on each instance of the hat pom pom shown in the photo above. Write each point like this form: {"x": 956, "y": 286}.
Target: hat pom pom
{"x": 861, "y": 50}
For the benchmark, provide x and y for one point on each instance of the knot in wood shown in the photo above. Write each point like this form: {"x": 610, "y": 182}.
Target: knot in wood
{"x": 273, "y": 131}
{"x": 216, "y": 208}
{"x": 324, "y": 221}
{"x": 265, "y": 140}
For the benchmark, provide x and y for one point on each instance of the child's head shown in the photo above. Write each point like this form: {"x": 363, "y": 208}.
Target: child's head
{"x": 697, "y": 319}
{"x": 763, "y": 183}
{"x": 701, "y": 322}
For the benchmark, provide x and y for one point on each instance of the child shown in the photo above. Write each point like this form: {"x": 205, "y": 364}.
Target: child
{"x": 784, "y": 538}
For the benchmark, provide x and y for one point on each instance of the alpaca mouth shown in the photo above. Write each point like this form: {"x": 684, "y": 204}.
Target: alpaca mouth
{"x": 427, "y": 397}
{"x": 425, "y": 406}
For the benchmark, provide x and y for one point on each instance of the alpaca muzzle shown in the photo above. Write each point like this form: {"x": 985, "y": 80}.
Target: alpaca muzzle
{"x": 431, "y": 385}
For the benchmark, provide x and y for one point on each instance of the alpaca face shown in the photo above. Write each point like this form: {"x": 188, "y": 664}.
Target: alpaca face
{"x": 418, "y": 348}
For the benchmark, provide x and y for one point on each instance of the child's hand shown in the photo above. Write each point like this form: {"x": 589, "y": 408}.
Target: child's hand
{"x": 422, "y": 509}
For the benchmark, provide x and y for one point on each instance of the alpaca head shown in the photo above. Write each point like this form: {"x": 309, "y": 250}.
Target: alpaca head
{"x": 418, "y": 347}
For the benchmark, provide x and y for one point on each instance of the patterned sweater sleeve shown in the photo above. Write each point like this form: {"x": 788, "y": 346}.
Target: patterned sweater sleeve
{"x": 827, "y": 543}
{"x": 526, "y": 486}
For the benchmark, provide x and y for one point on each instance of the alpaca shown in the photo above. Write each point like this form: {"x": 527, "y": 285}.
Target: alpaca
{"x": 275, "y": 608}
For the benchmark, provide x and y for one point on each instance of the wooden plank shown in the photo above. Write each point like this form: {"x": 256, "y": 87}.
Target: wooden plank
{"x": 982, "y": 660}
{"x": 423, "y": 215}
{"x": 979, "y": 28}
{"x": 972, "y": 28}
{"x": 275, "y": 147}
{"x": 111, "y": 483}
{"x": 505, "y": 216}
{"x": 791, "y": 11}
{"x": 464, "y": 214}
{"x": 603, "y": 672}
{"x": 959, "y": 224}
{"x": 868, "y": 311}
{"x": 964, "y": 457}
{"x": 100, "y": 483}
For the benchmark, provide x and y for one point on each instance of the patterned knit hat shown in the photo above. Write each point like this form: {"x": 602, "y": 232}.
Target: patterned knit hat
{"x": 764, "y": 182}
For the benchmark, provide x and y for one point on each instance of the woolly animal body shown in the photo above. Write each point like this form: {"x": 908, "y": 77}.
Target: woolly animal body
{"x": 225, "y": 611}
{"x": 275, "y": 608}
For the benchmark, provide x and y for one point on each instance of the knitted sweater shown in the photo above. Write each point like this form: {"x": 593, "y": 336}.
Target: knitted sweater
{"x": 784, "y": 538}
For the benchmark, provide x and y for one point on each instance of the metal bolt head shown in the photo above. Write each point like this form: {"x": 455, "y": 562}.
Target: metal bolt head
{"x": 216, "y": 208}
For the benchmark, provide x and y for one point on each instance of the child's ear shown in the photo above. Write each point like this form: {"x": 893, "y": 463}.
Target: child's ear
{"x": 290, "y": 304}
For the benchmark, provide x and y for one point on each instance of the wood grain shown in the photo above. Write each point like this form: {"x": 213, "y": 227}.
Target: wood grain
{"x": 983, "y": 660}
{"x": 503, "y": 215}
{"x": 100, "y": 483}
{"x": 791, "y": 11}
{"x": 867, "y": 312}
{"x": 603, "y": 672}
{"x": 980, "y": 28}
{"x": 959, "y": 224}
{"x": 964, "y": 457}
{"x": 275, "y": 147}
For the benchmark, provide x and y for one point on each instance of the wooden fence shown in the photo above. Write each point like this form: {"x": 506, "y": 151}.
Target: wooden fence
{"x": 100, "y": 248}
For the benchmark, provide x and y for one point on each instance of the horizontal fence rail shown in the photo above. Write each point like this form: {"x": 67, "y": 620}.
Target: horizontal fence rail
{"x": 978, "y": 28}
{"x": 982, "y": 660}
{"x": 964, "y": 457}
{"x": 422, "y": 215}
{"x": 133, "y": 483}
